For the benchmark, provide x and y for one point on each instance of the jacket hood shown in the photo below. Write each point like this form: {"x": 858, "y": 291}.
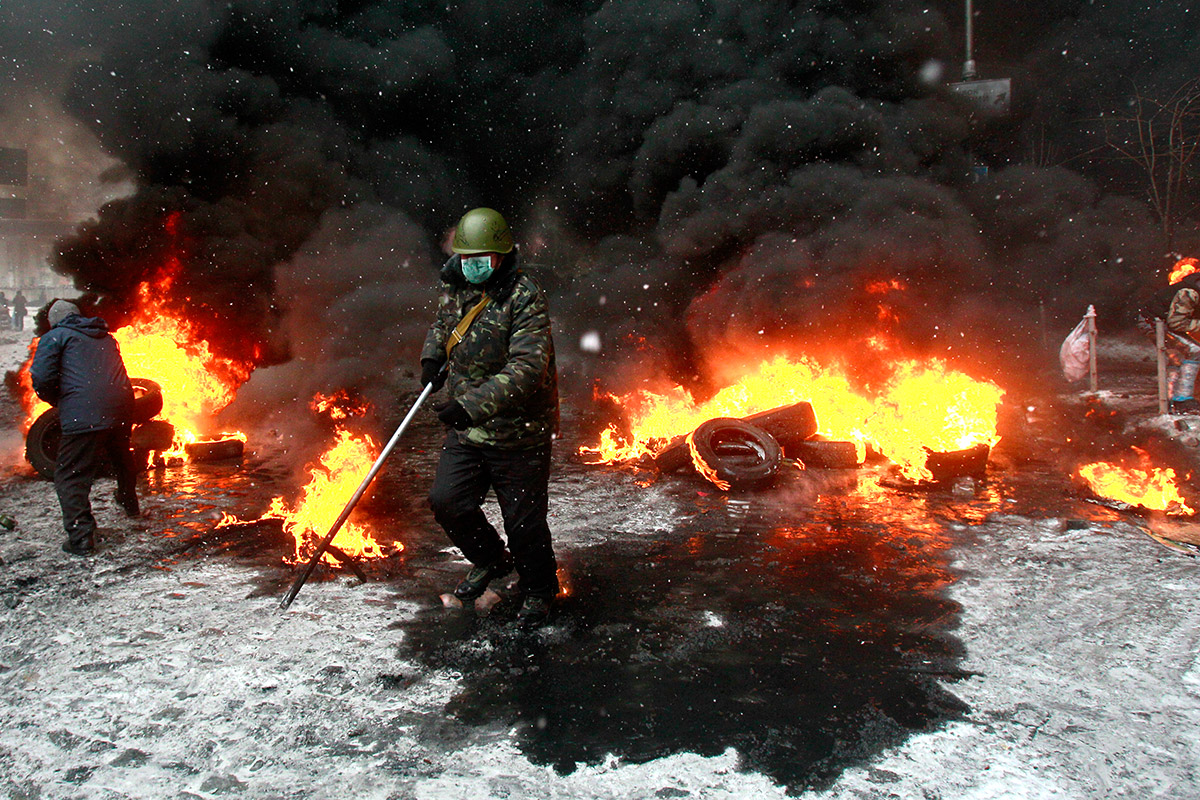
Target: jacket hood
{"x": 498, "y": 286}
{"x": 89, "y": 326}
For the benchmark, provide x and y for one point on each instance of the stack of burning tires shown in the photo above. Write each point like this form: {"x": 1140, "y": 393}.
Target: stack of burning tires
{"x": 747, "y": 453}
{"x": 149, "y": 435}
{"x": 41, "y": 442}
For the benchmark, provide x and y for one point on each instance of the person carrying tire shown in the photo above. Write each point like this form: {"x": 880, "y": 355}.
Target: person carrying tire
{"x": 1178, "y": 305}
{"x": 502, "y": 413}
{"x": 78, "y": 369}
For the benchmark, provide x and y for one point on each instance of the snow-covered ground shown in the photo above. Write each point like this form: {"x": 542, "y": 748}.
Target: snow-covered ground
{"x": 999, "y": 641}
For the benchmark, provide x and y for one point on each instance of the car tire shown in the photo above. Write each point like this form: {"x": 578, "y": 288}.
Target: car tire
{"x": 735, "y": 452}
{"x": 156, "y": 435}
{"x": 947, "y": 465}
{"x": 790, "y": 425}
{"x": 674, "y": 455}
{"x": 147, "y": 400}
{"x": 825, "y": 454}
{"x": 41, "y": 442}
{"x": 214, "y": 449}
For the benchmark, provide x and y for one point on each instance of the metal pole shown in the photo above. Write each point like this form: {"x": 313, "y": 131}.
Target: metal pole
{"x": 969, "y": 64}
{"x": 358, "y": 493}
{"x": 1160, "y": 341}
{"x": 1091, "y": 331}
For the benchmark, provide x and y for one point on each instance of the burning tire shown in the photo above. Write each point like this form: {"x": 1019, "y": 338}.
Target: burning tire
{"x": 824, "y": 454}
{"x": 947, "y": 465}
{"x": 791, "y": 425}
{"x": 214, "y": 449}
{"x": 674, "y": 455}
{"x": 41, "y": 443}
{"x": 735, "y": 452}
{"x": 147, "y": 400}
{"x": 156, "y": 434}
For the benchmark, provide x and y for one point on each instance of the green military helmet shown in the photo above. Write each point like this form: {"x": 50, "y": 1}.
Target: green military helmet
{"x": 482, "y": 230}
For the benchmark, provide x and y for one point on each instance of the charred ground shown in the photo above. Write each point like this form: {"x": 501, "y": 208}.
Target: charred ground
{"x": 812, "y": 628}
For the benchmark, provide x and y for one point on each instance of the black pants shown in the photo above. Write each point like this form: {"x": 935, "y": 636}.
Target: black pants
{"x": 79, "y": 455}
{"x": 521, "y": 480}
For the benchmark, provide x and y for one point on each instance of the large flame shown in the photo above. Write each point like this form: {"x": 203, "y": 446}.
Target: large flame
{"x": 1147, "y": 486}
{"x": 158, "y": 346}
{"x": 1183, "y": 268}
{"x": 332, "y": 481}
{"x": 923, "y": 407}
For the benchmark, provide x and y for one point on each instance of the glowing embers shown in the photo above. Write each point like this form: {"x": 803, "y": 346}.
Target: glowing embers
{"x": 921, "y": 407}
{"x": 1144, "y": 485}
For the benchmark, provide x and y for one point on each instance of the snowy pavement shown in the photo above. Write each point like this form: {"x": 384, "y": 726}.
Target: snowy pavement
{"x": 827, "y": 638}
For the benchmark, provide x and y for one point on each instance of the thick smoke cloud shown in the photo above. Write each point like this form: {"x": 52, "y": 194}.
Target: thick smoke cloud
{"x": 709, "y": 179}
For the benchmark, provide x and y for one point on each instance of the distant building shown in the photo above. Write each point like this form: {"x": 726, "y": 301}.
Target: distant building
{"x": 25, "y": 244}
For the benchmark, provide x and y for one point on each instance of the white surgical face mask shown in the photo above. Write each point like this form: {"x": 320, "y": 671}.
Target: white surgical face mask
{"x": 477, "y": 269}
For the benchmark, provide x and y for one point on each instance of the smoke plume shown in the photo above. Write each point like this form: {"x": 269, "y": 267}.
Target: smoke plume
{"x": 704, "y": 179}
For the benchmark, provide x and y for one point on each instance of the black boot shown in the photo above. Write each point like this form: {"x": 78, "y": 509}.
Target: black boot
{"x": 535, "y": 611}
{"x": 128, "y": 503}
{"x": 1188, "y": 406}
{"x": 478, "y": 578}
{"x": 84, "y": 547}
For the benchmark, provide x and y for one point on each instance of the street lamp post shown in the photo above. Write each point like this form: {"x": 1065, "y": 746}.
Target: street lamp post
{"x": 969, "y": 64}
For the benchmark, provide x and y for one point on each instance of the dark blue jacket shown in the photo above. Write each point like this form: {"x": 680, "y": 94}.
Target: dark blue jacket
{"x": 78, "y": 368}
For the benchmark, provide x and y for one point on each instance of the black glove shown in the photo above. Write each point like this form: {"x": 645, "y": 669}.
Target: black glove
{"x": 431, "y": 372}
{"x": 454, "y": 415}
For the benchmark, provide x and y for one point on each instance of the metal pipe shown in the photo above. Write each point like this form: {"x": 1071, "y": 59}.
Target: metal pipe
{"x": 969, "y": 64}
{"x": 358, "y": 493}
{"x": 1091, "y": 331}
{"x": 1160, "y": 341}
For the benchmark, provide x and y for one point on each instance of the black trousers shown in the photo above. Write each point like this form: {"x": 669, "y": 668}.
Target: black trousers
{"x": 79, "y": 456}
{"x": 521, "y": 480}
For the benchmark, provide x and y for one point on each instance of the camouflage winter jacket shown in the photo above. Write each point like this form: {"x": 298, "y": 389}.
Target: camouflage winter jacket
{"x": 502, "y": 373}
{"x": 1184, "y": 314}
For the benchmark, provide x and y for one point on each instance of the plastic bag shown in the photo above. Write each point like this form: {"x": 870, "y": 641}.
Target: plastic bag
{"x": 1075, "y": 353}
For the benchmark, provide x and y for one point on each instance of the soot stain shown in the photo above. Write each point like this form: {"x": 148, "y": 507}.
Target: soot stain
{"x": 806, "y": 639}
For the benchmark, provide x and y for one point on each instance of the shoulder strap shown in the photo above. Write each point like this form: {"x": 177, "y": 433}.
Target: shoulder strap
{"x": 460, "y": 330}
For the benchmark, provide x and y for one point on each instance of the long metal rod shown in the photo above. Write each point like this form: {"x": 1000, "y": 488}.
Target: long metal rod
{"x": 969, "y": 63}
{"x": 1093, "y": 380}
{"x": 358, "y": 493}
{"x": 1160, "y": 342}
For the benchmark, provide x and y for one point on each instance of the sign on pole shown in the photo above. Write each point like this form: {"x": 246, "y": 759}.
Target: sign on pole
{"x": 991, "y": 96}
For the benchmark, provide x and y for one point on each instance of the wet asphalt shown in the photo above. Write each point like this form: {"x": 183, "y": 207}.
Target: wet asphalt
{"x": 807, "y": 624}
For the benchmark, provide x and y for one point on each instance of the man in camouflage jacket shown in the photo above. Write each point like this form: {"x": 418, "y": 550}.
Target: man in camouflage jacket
{"x": 502, "y": 413}
{"x": 1178, "y": 305}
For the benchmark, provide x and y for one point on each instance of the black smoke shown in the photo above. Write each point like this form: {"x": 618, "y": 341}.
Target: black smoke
{"x": 703, "y": 176}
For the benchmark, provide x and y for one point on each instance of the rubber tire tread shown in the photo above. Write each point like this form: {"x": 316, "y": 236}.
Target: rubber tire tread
{"x": 157, "y": 434}
{"x": 41, "y": 443}
{"x": 218, "y": 450}
{"x": 737, "y": 471}
{"x": 147, "y": 404}
{"x": 827, "y": 454}
{"x": 790, "y": 425}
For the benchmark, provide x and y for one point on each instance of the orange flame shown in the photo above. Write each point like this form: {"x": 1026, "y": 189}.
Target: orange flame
{"x": 1183, "y": 268}
{"x": 1149, "y": 487}
{"x": 704, "y": 468}
{"x": 158, "y": 346}
{"x": 332, "y": 482}
{"x": 922, "y": 406}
